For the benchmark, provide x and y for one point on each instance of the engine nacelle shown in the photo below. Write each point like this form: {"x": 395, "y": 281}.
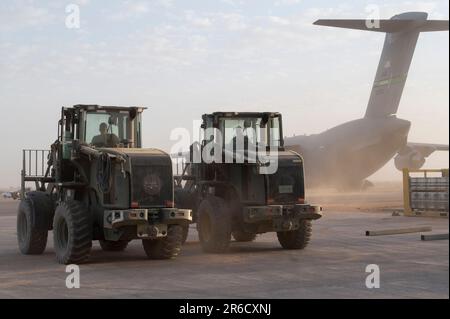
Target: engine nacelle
{"x": 412, "y": 160}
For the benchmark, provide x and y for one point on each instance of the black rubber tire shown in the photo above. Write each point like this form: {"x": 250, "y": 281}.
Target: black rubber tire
{"x": 108, "y": 245}
{"x": 214, "y": 225}
{"x": 72, "y": 233}
{"x": 241, "y": 236}
{"x": 296, "y": 239}
{"x": 167, "y": 247}
{"x": 32, "y": 227}
{"x": 44, "y": 208}
{"x": 185, "y": 233}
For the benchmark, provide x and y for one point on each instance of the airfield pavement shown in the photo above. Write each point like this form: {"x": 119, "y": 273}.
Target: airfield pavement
{"x": 332, "y": 266}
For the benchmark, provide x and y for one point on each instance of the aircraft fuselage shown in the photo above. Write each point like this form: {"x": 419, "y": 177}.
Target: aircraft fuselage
{"x": 346, "y": 155}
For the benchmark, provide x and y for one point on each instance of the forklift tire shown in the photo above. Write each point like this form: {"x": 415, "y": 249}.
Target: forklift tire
{"x": 296, "y": 239}
{"x": 72, "y": 233}
{"x": 32, "y": 226}
{"x": 185, "y": 233}
{"x": 108, "y": 245}
{"x": 214, "y": 225}
{"x": 167, "y": 247}
{"x": 241, "y": 236}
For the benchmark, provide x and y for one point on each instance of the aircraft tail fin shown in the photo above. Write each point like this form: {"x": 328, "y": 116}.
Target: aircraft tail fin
{"x": 402, "y": 32}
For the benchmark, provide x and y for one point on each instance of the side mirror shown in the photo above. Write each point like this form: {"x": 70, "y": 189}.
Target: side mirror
{"x": 264, "y": 120}
{"x": 113, "y": 119}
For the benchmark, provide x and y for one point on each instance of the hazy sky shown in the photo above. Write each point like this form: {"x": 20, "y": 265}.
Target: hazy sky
{"x": 185, "y": 58}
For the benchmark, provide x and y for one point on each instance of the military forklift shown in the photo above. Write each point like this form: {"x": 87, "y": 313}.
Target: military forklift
{"x": 240, "y": 181}
{"x": 97, "y": 183}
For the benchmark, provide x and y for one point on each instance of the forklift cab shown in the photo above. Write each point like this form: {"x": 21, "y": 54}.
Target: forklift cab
{"x": 109, "y": 126}
{"x": 251, "y": 128}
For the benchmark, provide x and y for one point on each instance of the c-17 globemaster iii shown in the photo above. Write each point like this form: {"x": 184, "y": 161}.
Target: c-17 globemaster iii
{"x": 344, "y": 156}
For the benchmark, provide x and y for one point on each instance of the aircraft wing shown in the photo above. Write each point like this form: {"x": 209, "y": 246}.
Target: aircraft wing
{"x": 426, "y": 149}
{"x": 413, "y": 155}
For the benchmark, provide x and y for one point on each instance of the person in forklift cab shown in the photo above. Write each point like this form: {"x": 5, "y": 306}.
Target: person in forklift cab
{"x": 241, "y": 139}
{"x": 105, "y": 139}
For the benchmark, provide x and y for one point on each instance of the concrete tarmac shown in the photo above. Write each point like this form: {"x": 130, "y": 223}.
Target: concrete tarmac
{"x": 332, "y": 266}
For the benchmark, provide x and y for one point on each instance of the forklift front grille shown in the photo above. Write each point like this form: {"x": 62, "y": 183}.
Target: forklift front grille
{"x": 152, "y": 185}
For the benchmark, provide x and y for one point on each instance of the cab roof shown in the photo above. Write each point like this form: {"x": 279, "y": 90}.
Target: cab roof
{"x": 243, "y": 114}
{"x": 95, "y": 107}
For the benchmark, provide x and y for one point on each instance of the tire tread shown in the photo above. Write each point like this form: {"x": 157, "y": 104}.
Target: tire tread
{"x": 296, "y": 239}
{"x": 79, "y": 224}
{"x": 167, "y": 247}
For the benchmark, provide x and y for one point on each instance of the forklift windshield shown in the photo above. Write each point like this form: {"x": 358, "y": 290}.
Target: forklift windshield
{"x": 110, "y": 129}
{"x": 250, "y": 130}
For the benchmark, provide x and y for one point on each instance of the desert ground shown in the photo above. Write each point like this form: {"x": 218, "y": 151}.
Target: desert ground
{"x": 332, "y": 266}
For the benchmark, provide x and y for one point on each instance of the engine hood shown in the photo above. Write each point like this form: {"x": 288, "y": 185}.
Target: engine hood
{"x": 141, "y": 155}
{"x": 150, "y": 172}
{"x": 286, "y": 185}
{"x": 285, "y": 157}
{"x": 288, "y": 158}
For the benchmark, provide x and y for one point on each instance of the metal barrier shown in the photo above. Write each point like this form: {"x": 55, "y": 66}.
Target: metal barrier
{"x": 426, "y": 195}
{"x": 34, "y": 167}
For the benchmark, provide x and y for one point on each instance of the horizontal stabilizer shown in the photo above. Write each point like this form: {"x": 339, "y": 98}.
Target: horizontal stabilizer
{"x": 387, "y": 26}
{"x": 434, "y": 25}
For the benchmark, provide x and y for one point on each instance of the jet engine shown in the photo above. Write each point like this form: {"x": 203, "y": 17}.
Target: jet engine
{"x": 411, "y": 159}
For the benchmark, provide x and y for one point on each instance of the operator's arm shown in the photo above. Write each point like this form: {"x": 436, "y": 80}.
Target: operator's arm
{"x": 113, "y": 140}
